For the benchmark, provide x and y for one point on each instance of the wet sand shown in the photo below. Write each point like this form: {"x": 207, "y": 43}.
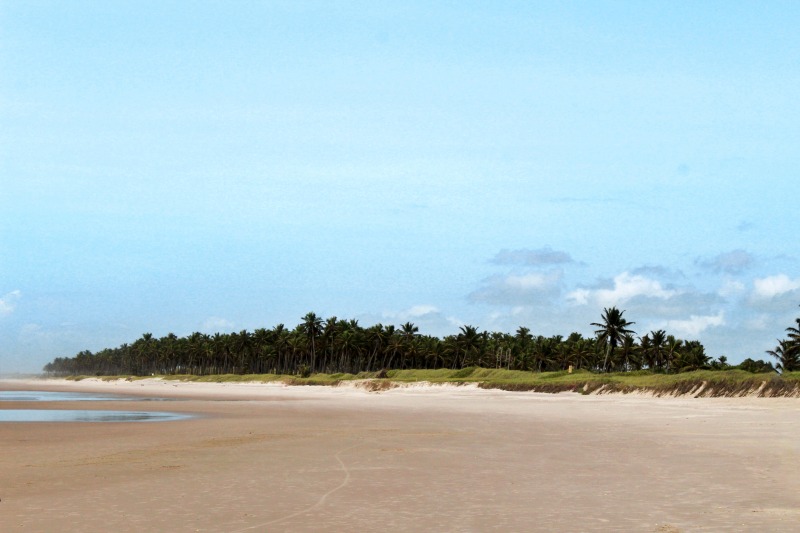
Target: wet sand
{"x": 273, "y": 458}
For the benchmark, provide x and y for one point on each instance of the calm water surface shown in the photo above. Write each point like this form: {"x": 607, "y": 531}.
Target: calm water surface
{"x": 83, "y": 415}
{"x": 78, "y": 415}
{"x": 42, "y": 396}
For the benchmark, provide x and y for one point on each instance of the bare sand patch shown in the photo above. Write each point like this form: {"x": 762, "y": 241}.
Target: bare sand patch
{"x": 266, "y": 457}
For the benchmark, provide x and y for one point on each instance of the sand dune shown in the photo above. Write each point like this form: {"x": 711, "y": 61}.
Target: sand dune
{"x": 265, "y": 457}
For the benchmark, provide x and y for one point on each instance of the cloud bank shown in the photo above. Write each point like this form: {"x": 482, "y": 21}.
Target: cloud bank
{"x": 773, "y": 286}
{"x": 724, "y": 301}
{"x": 625, "y": 287}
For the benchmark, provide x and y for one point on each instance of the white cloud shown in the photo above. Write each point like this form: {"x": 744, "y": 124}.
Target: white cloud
{"x": 731, "y": 288}
{"x": 519, "y": 289}
{"x": 580, "y": 296}
{"x": 9, "y": 302}
{"x": 772, "y": 286}
{"x": 414, "y": 312}
{"x": 215, "y": 324}
{"x": 694, "y": 325}
{"x": 421, "y": 310}
{"x": 626, "y": 287}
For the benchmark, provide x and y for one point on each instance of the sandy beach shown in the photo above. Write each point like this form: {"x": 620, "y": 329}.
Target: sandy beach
{"x": 266, "y": 457}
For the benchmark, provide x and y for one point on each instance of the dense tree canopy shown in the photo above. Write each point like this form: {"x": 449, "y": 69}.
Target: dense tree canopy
{"x": 343, "y": 346}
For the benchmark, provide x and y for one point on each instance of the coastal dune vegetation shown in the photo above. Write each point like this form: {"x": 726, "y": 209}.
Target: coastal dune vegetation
{"x": 330, "y": 351}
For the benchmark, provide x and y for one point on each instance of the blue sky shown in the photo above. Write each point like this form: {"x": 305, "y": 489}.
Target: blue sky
{"x": 218, "y": 166}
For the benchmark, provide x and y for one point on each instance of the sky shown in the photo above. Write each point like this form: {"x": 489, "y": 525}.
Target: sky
{"x": 220, "y": 166}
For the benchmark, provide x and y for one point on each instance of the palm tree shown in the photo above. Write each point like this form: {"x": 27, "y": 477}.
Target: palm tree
{"x": 262, "y": 348}
{"x": 312, "y": 325}
{"x": 409, "y": 330}
{"x": 628, "y": 353}
{"x": 330, "y": 331}
{"x": 672, "y": 349}
{"x": 788, "y": 356}
{"x": 374, "y": 338}
{"x": 144, "y": 349}
{"x": 794, "y": 332}
{"x": 219, "y": 347}
{"x": 692, "y": 357}
{"x": 467, "y": 341}
{"x": 542, "y": 353}
{"x": 658, "y": 340}
{"x": 583, "y": 351}
{"x": 409, "y": 333}
{"x": 612, "y": 330}
{"x": 794, "y": 336}
{"x": 389, "y": 346}
{"x": 281, "y": 340}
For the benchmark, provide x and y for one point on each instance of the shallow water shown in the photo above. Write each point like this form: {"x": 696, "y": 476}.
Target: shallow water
{"x": 84, "y": 415}
{"x": 42, "y": 396}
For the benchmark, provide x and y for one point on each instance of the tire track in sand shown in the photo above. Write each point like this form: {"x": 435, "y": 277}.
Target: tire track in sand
{"x": 319, "y": 502}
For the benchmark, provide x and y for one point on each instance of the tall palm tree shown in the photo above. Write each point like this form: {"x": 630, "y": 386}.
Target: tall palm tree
{"x": 281, "y": 340}
{"x": 374, "y": 339}
{"x": 612, "y": 330}
{"x": 262, "y": 349}
{"x": 219, "y": 343}
{"x": 312, "y": 325}
{"x": 409, "y": 333}
{"x": 145, "y": 348}
{"x": 388, "y": 348}
{"x": 658, "y": 340}
{"x": 673, "y": 347}
{"x": 468, "y": 342}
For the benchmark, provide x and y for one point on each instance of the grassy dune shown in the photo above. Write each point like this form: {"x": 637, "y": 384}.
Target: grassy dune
{"x": 704, "y": 383}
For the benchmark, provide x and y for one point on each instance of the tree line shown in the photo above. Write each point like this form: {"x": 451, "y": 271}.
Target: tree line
{"x": 331, "y": 345}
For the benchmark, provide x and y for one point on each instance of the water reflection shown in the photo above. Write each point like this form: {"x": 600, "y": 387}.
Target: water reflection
{"x": 42, "y": 396}
{"x": 83, "y": 415}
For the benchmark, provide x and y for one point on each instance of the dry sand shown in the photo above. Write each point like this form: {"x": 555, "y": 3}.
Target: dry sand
{"x": 272, "y": 458}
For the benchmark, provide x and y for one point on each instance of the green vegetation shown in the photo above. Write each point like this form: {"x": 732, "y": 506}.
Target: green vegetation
{"x": 709, "y": 383}
{"x": 788, "y": 350}
{"x": 329, "y": 351}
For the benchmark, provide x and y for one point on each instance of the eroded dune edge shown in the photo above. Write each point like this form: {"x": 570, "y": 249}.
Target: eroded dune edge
{"x": 765, "y": 387}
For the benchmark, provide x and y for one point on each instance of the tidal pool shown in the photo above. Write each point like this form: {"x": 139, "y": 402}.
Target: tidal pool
{"x": 86, "y": 415}
{"x": 47, "y": 396}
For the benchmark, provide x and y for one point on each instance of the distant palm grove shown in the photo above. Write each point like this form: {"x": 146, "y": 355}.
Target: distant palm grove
{"x": 332, "y": 346}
